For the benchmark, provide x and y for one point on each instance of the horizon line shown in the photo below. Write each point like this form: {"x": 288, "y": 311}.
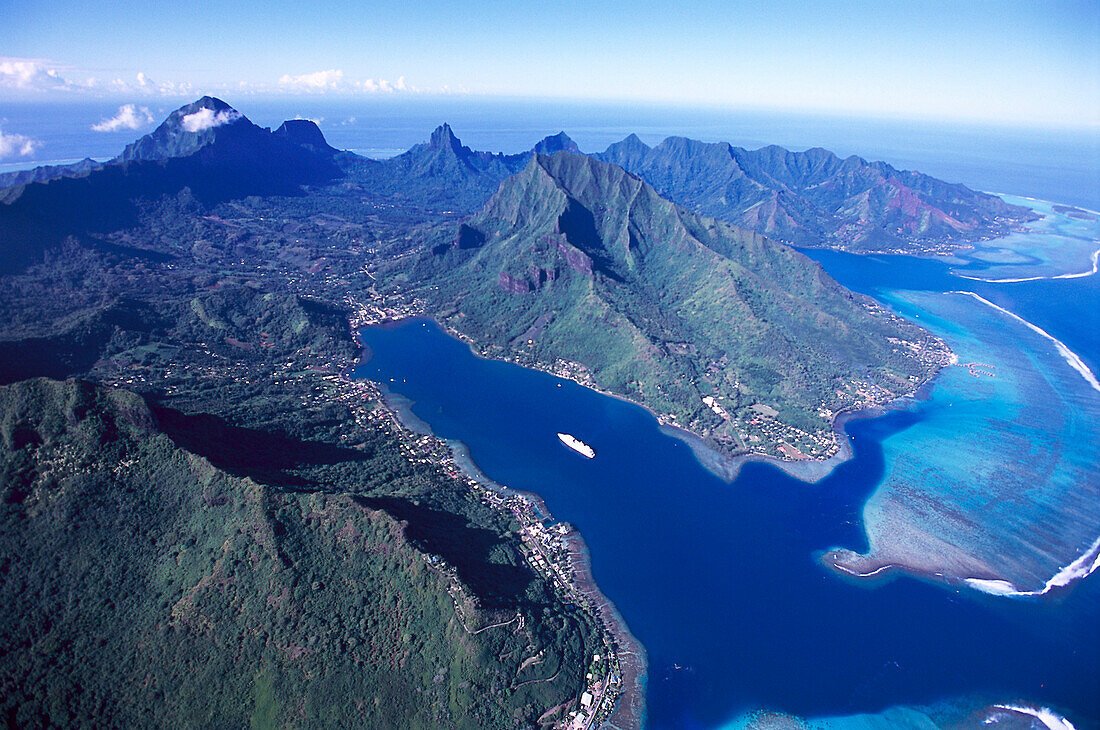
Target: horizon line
{"x": 714, "y": 107}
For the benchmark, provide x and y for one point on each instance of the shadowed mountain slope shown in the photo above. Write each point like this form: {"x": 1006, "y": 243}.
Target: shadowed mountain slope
{"x": 206, "y": 147}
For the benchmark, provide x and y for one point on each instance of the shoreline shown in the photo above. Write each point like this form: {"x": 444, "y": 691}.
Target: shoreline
{"x": 724, "y": 466}
{"x": 1094, "y": 258}
{"x": 880, "y": 565}
{"x": 809, "y": 471}
{"x": 628, "y": 708}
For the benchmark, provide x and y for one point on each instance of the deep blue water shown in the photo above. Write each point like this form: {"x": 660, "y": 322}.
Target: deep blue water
{"x": 720, "y": 579}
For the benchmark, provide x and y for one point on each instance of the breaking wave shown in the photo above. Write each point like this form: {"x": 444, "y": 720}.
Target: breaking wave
{"x": 1082, "y": 567}
{"x": 1050, "y": 719}
{"x": 1079, "y": 275}
{"x": 1069, "y": 355}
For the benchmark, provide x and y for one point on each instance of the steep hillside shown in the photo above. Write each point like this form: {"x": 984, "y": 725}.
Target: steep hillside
{"x": 445, "y": 176}
{"x": 578, "y": 260}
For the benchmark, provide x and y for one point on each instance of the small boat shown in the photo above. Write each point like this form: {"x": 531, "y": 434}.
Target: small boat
{"x": 577, "y": 445}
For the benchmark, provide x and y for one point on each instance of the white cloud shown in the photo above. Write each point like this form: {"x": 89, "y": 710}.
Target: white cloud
{"x": 316, "y": 81}
{"x": 32, "y": 76}
{"x": 30, "y": 73}
{"x": 315, "y": 120}
{"x": 35, "y": 75}
{"x": 147, "y": 86}
{"x": 334, "y": 80}
{"x": 16, "y": 145}
{"x": 129, "y": 117}
{"x": 205, "y": 119}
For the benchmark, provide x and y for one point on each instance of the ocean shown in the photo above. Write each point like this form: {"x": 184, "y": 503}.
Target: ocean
{"x": 723, "y": 582}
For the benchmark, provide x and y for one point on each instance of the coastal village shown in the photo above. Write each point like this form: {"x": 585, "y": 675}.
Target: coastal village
{"x": 554, "y": 550}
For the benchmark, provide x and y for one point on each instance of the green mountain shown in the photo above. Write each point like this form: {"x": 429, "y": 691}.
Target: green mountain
{"x": 212, "y": 527}
{"x": 578, "y": 260}
{"x": 815, "y": 198}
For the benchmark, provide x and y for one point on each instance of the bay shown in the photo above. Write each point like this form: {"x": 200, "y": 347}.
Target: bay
{"x": 722, "y": 581}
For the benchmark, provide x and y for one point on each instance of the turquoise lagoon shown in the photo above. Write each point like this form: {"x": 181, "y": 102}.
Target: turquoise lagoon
{"x": 724, "y": 582}
{"x": 995, "y": 486}
{"x": 1058, "y": 246}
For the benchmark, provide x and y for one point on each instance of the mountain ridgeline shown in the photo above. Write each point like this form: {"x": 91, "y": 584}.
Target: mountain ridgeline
{"x": 207, "y": 151}
{"x": 578, "y": 260}
{"x": 205, "y": 525}
{"x": 811, "y": 198}
{"x": 445, "y": 175}
{"x": 816, "y": 199}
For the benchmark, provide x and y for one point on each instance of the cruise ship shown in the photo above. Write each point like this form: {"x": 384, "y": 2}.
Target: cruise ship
{"x": 577, "y": 445}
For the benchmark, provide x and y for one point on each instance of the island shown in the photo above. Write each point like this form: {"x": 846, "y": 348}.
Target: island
{"x": 184, "y": 451}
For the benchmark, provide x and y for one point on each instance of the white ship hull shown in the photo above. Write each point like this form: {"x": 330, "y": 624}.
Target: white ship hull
{"x": 577, "y": 445}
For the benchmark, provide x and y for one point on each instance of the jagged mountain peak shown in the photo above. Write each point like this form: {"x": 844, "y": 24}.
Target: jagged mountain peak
{"x": 443, "y": 138}
{"x": 560, "y": 142}
{"x": 550, "y": 184}
{"x": 585, "y": 178}
{"x": 597, "y": 215}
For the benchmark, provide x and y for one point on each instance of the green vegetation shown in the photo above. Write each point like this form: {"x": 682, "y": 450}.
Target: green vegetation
{"x": 147, "y": 584}
{"x": 210, "y": 528}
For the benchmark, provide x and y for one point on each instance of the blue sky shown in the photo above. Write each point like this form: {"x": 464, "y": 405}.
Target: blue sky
{"x": 1032, "y": 63}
